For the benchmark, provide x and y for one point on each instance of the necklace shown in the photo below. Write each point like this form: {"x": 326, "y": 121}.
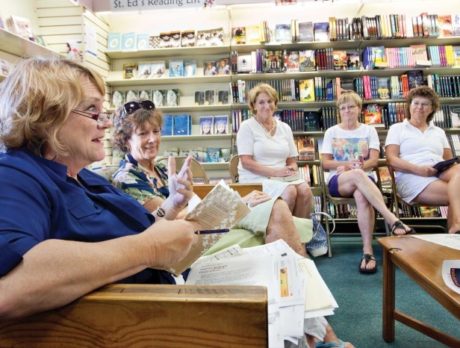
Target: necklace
{"x": 269, "y": 132}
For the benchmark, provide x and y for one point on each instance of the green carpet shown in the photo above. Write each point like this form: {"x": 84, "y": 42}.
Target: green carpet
{"x": 359, "y": 316}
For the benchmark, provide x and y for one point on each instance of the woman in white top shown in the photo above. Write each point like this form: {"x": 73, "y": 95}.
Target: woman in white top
{"x": 267, "y": 151}
{"x": 350, "y": 151}
{"x": 413, "y": 147}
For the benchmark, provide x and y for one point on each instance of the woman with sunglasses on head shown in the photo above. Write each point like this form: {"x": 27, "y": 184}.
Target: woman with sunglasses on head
{"x": 65, "y": 231}
{"x": 413, "y": 147}
{"x": 350, "y": 151}
{"x": 138, "y": 134}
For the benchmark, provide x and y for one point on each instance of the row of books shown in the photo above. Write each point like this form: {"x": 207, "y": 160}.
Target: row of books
{"x": 161, "y": 97}
{"x": 177, "y": 124}
{"x": 214, "y": 124}
{"x": 357, "y": 28}
{"x": 202, "y": 155}
{"x": 132, "y": 41}
{"x": 408, "y": 211}
{"x": 372, "y": 57}
{"x": 445, "y": 86}
{"x": 301, "y": 120}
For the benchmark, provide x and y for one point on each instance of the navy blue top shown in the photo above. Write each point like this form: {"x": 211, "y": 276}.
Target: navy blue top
{"x": 39, "y": 201}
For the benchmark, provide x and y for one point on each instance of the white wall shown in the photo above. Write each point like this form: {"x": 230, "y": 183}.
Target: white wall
{"x": 22, "y": 8}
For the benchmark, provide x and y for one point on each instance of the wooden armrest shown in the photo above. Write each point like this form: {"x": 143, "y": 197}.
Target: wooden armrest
{"x": 243, "y": 189}
{"x": 133, "y": 316}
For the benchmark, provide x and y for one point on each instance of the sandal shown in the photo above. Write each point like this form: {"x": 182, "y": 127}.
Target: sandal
{"x": 399, "y": 225}
{"x": 367, "y": 258}
{"x": 336, "y": 344}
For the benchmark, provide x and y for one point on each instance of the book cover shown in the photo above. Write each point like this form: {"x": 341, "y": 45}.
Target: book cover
{"x": 182, "y": 124}
{"x": 131, "y": 95}
{"x": 372, "y": 114}
{"x": 307, "y": 60}
{"x": 144, "y": 71}
{"x": 383, "y": 87}
{"x": 321, "y": 31}
{"x": 209, "y": 97}
{"x": 244, "y": 63}
{"x": 312, "y": 120}
{"x": 114, "y": 42}
{"x": 213, "y": 155}
{"x": 20, "y": 26}
{"x": 253, "y": 34}
{"x": 168, "y": 125}
{"x": 189, "y": 67}
{"x": 166, "y": 40}
{"x": 128, "y": 41}
{"x": 206, "y": 125}
{"x": 145, "y": 94}
{"x": 221, "y": 124}
{"x": 283, "y": 33}
{"x": 291, "y": 61}
{"x": 415, "y": 78}
{"x": 176, "y": 68}
{"x": 154, "y": 41}
{"x": 306, "y": 148}
{"x": 209, "y": 68}
{"x": 223, "y": 66}
{"x": 353, "y": 60}
{"x": 172, "y": 97}
{"x": 305, "y": 31}
{"x": 445, "y": 25}
{"x": 222, "y": 97}
{"x": 142, "y": 41}
{"x": 210, "y": 37}
{"x": 340, "y": 59}
{"x": 307, "y": 90}
{"x": 158, "y": 69}
{"x": 188, "y": 38}
{"x": 118, "y": 99}
{"x": 158, "y": 97}
{"x": 239, "y": 35}
{"x": 199, "y": 97}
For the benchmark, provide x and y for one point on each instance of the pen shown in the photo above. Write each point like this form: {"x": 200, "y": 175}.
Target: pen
{"x": 223, "y": 230}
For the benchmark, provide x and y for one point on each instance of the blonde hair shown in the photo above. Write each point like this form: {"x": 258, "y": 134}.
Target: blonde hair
{"x": 261, "y": 88}
{"x": 36, "y": 99}
{"x": 349, "y": 97}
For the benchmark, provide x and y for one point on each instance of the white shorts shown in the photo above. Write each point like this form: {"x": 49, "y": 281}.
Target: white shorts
{"x": 411, "y": 185}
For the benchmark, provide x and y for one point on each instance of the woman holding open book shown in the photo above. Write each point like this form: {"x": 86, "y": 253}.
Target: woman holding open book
{"x": 416, "y": 149}
{"x": 267, "y": 153}
{"x": 350, "y": 151}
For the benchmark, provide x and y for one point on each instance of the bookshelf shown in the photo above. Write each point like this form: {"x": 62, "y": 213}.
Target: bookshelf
{"x": 232, "y": 16}
{"x": 20, "y": 47}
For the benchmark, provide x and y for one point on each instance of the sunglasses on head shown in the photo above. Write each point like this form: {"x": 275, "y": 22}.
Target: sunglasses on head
{"x": 132, "y": 106}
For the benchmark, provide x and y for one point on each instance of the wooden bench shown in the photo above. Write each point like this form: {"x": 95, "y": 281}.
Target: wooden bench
{"x": 134, "y": 316}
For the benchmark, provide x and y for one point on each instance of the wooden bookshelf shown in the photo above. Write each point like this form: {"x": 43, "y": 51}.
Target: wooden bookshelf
{"x": 18, "y": 46}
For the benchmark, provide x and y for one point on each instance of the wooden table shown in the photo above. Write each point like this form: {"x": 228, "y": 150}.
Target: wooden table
{"x": 422, "y": 261}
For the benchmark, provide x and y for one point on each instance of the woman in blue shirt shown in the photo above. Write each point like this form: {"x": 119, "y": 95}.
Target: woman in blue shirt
{"x": 65, "y": 231}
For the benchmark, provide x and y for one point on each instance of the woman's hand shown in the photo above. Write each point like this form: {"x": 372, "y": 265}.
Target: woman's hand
{"x": 255, "y": 198}
{"x": 180, "y": 184}
{"x": 285, "y": 171}
{"x": 426, "y": 171}
{"x": 168, "y": 242}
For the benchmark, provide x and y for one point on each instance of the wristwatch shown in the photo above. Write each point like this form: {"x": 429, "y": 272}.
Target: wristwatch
{"x": 160, "y": 212}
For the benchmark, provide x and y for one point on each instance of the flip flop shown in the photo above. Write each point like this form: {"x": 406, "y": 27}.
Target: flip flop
{"x": 367, "y": 258}
{"x": 399, "y": 225}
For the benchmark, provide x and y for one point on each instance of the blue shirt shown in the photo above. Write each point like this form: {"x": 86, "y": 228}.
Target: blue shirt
{"x": 39, "y": 202}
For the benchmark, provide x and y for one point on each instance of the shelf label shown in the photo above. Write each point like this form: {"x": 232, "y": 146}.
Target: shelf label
{"x": 136, "y": 5}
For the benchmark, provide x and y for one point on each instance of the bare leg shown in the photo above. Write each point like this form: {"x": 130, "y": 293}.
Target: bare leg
{"x": 303, "y": 202}
{"x": 454, "y": 202}
{"x": 281, "y": 226}
{"x": 366, "y": 219}
{"x": 356, "y": 179}
{"x": 289, "y": 195}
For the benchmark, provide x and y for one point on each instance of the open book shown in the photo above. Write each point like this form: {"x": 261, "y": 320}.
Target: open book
{"x": 219, "y": 210}
{"x": 289, "y": 178}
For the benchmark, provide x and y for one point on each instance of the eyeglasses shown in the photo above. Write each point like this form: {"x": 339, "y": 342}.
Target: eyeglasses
{"x": 347, "y": 107}
{"x": 102, "y": 118}
{"x": 421, "y": 105}
{"x": 132, "y": 106}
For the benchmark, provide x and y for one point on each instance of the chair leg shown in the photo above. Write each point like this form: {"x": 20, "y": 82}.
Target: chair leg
{"x": 328, "y": 233}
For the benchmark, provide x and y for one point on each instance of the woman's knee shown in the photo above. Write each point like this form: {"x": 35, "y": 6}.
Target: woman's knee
{"x": 290, "y": 193}
{"x": 304, "y": 192}
{"x": 280, "y": 212}
{"x": 360, "y": 199}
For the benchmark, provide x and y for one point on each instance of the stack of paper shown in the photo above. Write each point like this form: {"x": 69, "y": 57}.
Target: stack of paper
{"x": 290, "y": 280}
